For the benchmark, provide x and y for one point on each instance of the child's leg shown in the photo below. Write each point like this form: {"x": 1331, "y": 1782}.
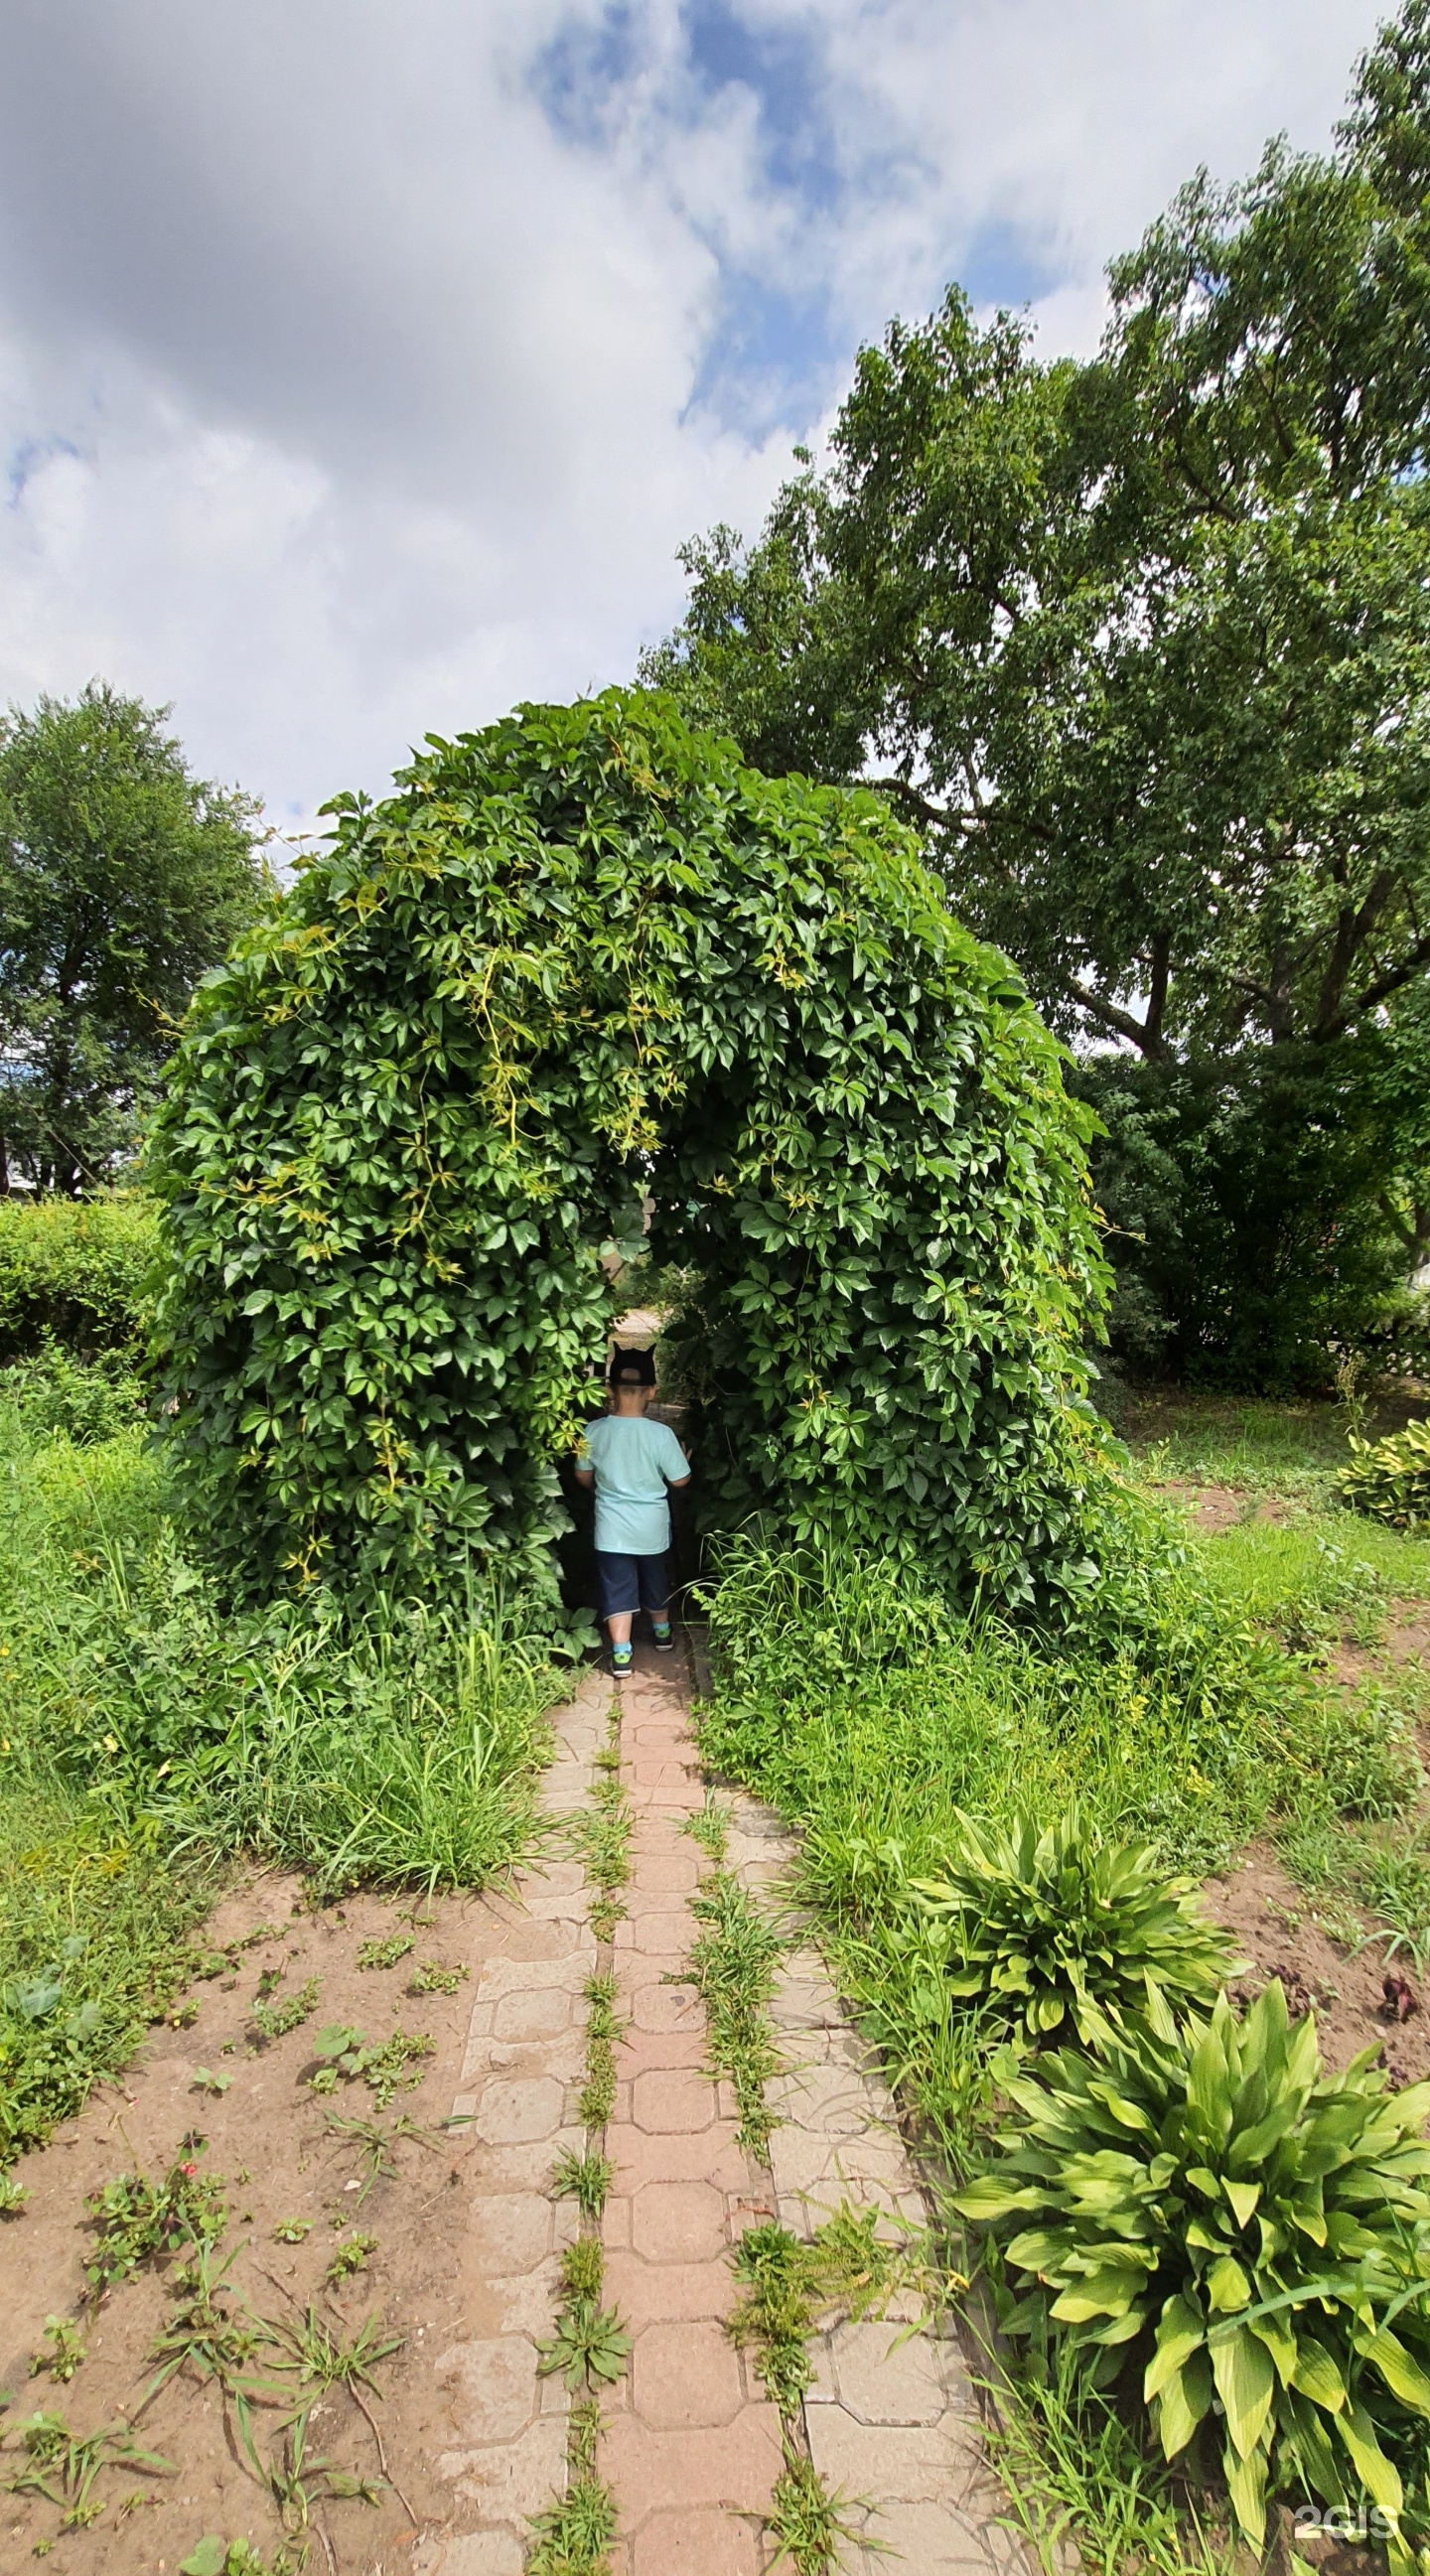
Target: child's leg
{"x": 655, "y": 1599}
{"x": 619, "y": 1582}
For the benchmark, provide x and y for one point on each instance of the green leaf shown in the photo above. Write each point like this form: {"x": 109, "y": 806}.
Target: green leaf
{"x": 1246, "y": 2484}
{"x": 1245, "y": 2383}
{"x": 1378, "y": 2474}
{"x": 208, "y": 2557}
{"x": 1180, "y": 2332}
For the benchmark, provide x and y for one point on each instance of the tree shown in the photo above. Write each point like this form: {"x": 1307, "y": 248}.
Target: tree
{"x": 123, "y": 879}
{"x": 1142, "y": 646}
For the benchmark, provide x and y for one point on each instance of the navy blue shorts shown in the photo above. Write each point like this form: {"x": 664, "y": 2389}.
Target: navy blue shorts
{"x": 632, "y": 1583}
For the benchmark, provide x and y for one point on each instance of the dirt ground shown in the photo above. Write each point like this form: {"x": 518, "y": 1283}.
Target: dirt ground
{"x": 1358, "y": 2000}
{"x": 268, "y": 2137}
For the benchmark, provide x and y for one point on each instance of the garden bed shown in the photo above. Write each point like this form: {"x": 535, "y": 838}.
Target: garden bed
{"x": 299, "y": 2195}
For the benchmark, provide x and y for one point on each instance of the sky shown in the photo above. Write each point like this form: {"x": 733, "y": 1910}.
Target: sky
{"x": 363, "y": 363}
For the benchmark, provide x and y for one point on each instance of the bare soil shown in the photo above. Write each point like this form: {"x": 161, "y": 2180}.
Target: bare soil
{"x": 268, "y": 2136}
{"x": 1218, "y": 1507}
{"x": 1359, "y": 2000}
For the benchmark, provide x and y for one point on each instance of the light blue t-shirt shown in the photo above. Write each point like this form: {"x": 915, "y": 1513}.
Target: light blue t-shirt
{"x": 634, "y": 1458}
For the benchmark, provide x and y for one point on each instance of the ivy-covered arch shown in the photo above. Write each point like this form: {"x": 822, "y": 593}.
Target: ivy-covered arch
{"x": 583, "y": 957}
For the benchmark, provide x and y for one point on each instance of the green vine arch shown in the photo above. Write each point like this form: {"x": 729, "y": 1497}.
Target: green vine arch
{"x": 580, "y": 959}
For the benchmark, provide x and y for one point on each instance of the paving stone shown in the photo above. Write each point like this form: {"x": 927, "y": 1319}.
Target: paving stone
{"x": 902, "y": 2464}
{"x": 512, "y": 2112}
{"x": 932, "y": 2538}
{"x": 672, "y": 2100}
{"x": 678, "y": 2222}
{"x": 490, "y": 2387}
{"x": 511, "y": 2480}
{"x": 705, "y": 2543}
{"x": 498, "y": 2551}
{"x": 732, "y": 2465}
{"x": 533, "y": 2012}
{"x": 657, "y": 2293}
{"x": 883, "y": 2381}
{"x": 685, "y": 2372}
{"x": 661, "y": 2007}
{"x": 513, "y": 2229}
{"x": 662, "y": 1936}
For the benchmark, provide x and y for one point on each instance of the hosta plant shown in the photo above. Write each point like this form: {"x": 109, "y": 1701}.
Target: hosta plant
{"x": 1051, "y": 1927}
{"x": 1390, "y": 1479}
{"x": 1259, "y": 2229}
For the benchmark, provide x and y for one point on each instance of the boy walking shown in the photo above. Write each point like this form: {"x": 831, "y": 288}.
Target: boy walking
{"x": 632, "y": 1463}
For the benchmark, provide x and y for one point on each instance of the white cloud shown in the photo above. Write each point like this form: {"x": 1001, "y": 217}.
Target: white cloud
{"x": 362, "y": 365}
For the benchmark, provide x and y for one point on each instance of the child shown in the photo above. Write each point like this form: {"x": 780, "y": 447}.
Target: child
{"x": 631, "y": 1462}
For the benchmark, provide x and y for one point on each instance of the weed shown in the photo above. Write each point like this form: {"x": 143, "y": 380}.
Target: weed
{"x": 810, "y": 2523}
{"x": 583, "y": 2268}
{"x": 374, "y": 2144}
{"x": 274, "y": 2021}
{"x": 585, "y": 2179}
{"x": 382, "y": 2065}
{"x": 353, "y": 2255}
{"x": 385, "y": 1954}
{"x": 850, "y": 2267}
{"x": 1074, "y": 2473}
{"x": 13, "y": 2196}
{"x": 215, "y": 2556}
{"x": 589, "y": 2345}
{"x": 213, "y": 2334}
{"x": 182, "y": 2016}
{"x": 431, "y": 1978}
{"x": 291, "y": 2231}
{"x": 65, "y": 2466}
{"x": 66, "y": 2350}
{"x": 777, "y": 2312}
{"x": 573, "y": 2536}
{"x": 137, "y": 2219}
{"x": 1396, "y": 1885}
{"x": 206, "y": 2082}
{"x": 311, "y": 2351}
{"x": 732, "y": 1967}
{"x": 710, "y": 1827}
{"x": 297, "y": 2479}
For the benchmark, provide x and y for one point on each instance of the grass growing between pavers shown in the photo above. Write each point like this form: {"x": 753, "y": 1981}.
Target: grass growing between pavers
{"x": 589, "y": 2346}
{"x": 1199, "y": 1717}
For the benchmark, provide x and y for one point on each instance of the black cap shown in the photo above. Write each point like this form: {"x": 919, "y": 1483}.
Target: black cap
{"x": 632, "y": 1368}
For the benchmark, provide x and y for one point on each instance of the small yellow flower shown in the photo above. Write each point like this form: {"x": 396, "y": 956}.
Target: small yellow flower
{"x": 111, "y": 1744}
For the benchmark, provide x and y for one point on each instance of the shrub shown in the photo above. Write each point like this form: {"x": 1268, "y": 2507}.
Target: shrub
{"x": 579, "y": 959}
{"x": 1390, "y": 1479}
{"x": 81, "y": 1400}
{"x": 1043, "y": 1927}
{"x": 1258, "y": 2230}
{"x": 77, "y": 1272}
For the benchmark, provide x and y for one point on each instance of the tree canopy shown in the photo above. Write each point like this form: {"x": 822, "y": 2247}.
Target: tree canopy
{"x": 123, "y": 878}
{"x": 580, "y": 960}
{"x": 1142, "y": 645}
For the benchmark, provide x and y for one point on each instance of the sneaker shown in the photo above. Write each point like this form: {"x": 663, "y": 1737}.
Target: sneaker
{"x": 620, "y": 1661}
{"x": 662, "y": 1637}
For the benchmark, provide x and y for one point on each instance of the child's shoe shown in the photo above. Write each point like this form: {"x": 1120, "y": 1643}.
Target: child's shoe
{"x": 662, "y": 1636}
{"x": 620, "y": 1661}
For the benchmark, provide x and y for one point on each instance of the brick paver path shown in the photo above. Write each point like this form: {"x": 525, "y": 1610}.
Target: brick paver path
{"x": 692, "y": 2447}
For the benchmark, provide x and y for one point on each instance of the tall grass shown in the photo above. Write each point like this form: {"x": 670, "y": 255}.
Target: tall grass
{"x": 871, "y": 1714}
{"x": 147, "y": 1736}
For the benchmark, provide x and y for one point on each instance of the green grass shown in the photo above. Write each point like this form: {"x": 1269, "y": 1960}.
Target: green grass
{"x": 1315, "y": 1575}
{"x": 1251, "y": 1443}
{"x": 148, "y": 1737}
{"x": 871, "y": 1715}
